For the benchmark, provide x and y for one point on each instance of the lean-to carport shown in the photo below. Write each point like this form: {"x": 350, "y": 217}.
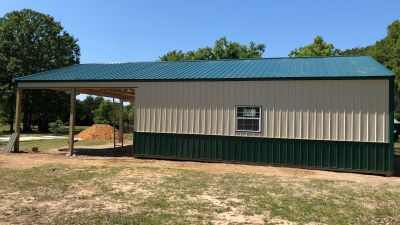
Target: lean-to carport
{"x": 111, "y": 90}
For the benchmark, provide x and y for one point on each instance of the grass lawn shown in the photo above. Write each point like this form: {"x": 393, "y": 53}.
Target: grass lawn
{"x": 54, "y": 144}
{"x": 52, "y": 189}
{"x": 57, "y": 143}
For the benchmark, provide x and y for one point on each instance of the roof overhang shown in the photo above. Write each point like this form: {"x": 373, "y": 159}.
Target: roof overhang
{"x": 121, "y": 90}
{"x": 75, "y": 84}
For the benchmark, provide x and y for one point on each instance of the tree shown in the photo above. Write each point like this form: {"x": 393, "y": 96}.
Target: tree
{"x": 85, "y": 108}
{"x": 222, "y": 49}
{"x": 32, "y": 42}
{"x": 318, "y": 48}
{"x": 387, "y": 50}
{"x": 357, "y": 51}
{"x": 130, "y": 111}
{"x": 103, "y": 114}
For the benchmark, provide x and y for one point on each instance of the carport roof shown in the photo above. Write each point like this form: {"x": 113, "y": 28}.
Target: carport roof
{"x": 339, "y": 67}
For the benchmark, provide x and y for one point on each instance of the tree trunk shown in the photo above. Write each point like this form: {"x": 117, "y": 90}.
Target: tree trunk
{"x": 26, "y": 120}
{"x": 43, "y": 125}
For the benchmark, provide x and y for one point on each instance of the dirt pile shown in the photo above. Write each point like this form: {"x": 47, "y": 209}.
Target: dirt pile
{"x": 98, "y": 132}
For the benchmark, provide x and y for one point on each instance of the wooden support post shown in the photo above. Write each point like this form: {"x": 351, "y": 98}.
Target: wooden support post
{"x": 18, "y": 118}
{"x": 121, "y": 122}
{"x": 113, "y": 103}
{"x": 72, "y": 122}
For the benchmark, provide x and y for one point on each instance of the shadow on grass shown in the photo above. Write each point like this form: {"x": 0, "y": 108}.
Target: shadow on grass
{"x": 105, "y": 152}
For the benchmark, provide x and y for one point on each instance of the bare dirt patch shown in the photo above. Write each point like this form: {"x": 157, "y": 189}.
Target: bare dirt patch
{"x": 98, "y": 132}
{"x": 29, "y": 160}
{"x": 85, "y": 189}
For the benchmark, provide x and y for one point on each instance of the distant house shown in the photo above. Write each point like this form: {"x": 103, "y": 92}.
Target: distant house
{"x": 331, "y": 113}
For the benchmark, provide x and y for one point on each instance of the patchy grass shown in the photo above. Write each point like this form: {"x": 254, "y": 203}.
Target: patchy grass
{"x": 51, "y": 182}
{"x": 54, "y": 144}
{"x": 145, "y": 192}
{"x": 58, "y": 143}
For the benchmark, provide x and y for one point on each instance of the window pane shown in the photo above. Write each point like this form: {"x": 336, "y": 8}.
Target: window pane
{"x": 239, "y": 111}
{"x": 248, "y": 118}
{"x": 248, "y": 124}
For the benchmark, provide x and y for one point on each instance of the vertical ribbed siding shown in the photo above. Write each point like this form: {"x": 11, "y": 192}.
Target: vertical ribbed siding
{"x": 337, "y": 110}
{"x": 331, "y": 155}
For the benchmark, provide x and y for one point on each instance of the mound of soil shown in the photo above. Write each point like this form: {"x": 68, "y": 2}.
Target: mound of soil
{"x": 98, "y": 132}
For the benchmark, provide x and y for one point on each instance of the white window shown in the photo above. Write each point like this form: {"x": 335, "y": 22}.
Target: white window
{"x": 248, "y": 118}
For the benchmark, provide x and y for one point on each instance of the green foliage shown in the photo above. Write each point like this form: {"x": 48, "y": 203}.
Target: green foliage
{"x": 387, "y": 52}
{"x": 397, "y": 115}
{"x": 32, "y": 42}
{"x": 130, "y": 110}
{"x": 103, "y": 114}
{"x": 56, "y": 127}
{"x": 84, "y": 110}
{"x": 222, "y": 49}
{"x": 318, "y": 48}
{"x": 357, "y": 51}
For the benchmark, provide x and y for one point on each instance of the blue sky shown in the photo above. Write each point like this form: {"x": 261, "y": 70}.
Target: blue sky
{"x": 118, "y": 31}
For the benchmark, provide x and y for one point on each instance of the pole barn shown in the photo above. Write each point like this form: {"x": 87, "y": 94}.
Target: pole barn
{"x": 329, "y": 113}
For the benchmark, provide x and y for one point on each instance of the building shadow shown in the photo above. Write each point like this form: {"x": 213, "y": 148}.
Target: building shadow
{"x": 104, "y": 152}
{"x": 396, "y": 166}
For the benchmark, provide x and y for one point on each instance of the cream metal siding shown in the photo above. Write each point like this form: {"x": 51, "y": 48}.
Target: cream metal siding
{"x": 344, "y": 110}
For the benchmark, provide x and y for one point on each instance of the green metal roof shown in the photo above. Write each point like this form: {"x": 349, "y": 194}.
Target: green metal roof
{"x": 240, "y": 69}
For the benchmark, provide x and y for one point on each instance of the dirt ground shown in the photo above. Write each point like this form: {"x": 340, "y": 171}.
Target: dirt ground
{"x": 172, "y": 190}
{"x": 53, "y": 156}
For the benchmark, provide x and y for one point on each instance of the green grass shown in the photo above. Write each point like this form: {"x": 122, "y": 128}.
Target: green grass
{"x": 55, "y": 144}
{"x": 51, "y": 182}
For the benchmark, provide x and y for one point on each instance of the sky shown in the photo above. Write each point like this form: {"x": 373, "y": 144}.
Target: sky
{"x": 122, "y": 31}
{"x": 129, "y": 30}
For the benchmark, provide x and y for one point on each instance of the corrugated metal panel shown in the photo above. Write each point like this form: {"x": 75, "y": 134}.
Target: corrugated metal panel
{"x": 330, "y": 155}
{"x": 340, "y": 110}
{"x": 269, "y": 68}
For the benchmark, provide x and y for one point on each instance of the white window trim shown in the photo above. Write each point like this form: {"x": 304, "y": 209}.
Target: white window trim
{"x": 259, "y": 119}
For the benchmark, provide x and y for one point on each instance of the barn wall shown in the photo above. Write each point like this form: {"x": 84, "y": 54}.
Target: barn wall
{"x": 337, "y": 110}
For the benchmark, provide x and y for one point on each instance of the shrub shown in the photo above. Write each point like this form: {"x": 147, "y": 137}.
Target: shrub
{"x": 56, "y": 127}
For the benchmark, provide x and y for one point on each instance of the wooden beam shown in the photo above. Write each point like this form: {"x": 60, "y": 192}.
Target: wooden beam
{"x": 18, "y": 101}
{"x": 107, "y": 92}
{"x": 121, "y": 122}
{"x": 72, "y": 122}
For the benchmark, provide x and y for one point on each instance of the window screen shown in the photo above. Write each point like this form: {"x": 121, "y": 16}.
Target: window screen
{"x": 248, "y": 118}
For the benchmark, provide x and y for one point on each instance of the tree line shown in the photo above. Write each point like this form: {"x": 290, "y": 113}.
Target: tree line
{"x": 32, "y": 42}
{"x": 386, "y": 51}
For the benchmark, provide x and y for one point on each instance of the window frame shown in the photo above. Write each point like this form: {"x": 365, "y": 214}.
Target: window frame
{"x": 259, "y": 119}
